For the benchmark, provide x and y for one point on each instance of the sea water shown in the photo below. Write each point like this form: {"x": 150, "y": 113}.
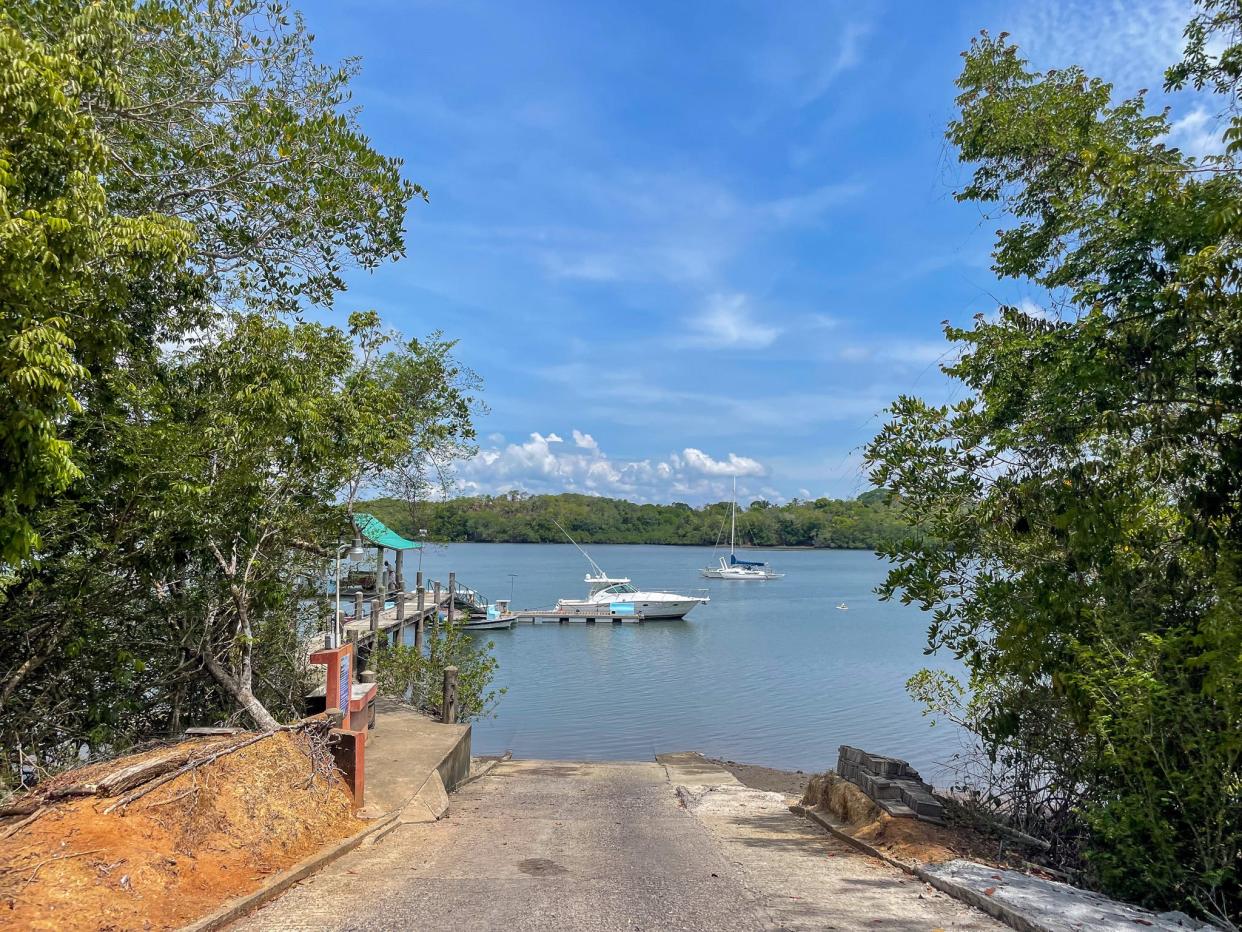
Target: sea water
{"x": 768, "y": 672}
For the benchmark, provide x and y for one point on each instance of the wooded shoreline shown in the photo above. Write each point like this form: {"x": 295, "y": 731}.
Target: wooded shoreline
{"x": 868, "y": 522}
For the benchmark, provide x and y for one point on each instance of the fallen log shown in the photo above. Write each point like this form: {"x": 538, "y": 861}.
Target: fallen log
{"x": 193, "y": 764}
{"x": 18, "y": 826}
{"x": 125, "y": 779}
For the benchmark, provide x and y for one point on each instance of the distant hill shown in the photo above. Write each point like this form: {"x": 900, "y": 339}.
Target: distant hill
{"x": 863, "y": 523}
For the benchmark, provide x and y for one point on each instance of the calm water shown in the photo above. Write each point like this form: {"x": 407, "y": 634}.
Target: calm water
{"x": 767, "y": 672}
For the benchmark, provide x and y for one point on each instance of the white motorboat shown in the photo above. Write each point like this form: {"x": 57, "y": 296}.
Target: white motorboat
{"x": 621, "y": 598}
{"x": 731, "y": 567}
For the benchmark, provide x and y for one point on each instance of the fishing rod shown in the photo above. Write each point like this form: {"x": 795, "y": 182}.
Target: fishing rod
{"x": 594, "y": 565}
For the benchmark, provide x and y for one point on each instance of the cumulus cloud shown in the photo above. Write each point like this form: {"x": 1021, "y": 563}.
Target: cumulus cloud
{"x": 735, "y": 465}
{"x": 544, "y": 463}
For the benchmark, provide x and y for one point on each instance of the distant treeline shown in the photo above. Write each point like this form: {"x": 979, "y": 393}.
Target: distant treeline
{"x": 863, "y": 523}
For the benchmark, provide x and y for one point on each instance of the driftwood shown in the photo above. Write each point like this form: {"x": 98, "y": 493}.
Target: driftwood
{"x": 112, "y": 784}
{"x": 21, "y": 807}
{"x": 146, "y": 775}
{"x": 18, "y": 826}
{"x": 120, "y": 781}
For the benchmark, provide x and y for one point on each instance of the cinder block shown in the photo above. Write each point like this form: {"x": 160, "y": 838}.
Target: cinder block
{"x": 879, "y": 788}
{"x": 896, "y": 809}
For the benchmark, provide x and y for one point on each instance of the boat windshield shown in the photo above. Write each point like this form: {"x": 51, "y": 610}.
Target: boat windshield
{"x": 623, "y": 589}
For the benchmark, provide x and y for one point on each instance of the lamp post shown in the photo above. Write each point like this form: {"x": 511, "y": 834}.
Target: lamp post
{"x": 422, "y": 544}
{"x": 355, "y": 553}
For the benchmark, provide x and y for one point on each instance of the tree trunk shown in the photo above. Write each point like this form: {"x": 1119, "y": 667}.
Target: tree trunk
{"x": 241, "y": 693}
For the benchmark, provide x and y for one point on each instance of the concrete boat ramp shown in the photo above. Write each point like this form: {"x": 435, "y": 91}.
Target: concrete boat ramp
{"x": 672, "y": 844}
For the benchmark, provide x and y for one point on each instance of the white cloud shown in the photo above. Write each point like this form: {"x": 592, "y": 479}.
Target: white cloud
{"x": 677, "y": 227}
{"x": 901, "y": 352}
{"x": 1197, "y": 133}
{"x": 822, "y": 322}
{"x": 542, "y": 465}
{"x": 727, "y": 323}
{"x": 810, "y": 206}
{"x": 1127, "y": 43}
{"x": 628, "y": 398}
{"x": 806, "y": 55}
{"x": 735, "y": 465}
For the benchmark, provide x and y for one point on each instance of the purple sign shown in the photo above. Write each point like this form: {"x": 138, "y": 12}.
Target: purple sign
{"x": 345, "y": 661}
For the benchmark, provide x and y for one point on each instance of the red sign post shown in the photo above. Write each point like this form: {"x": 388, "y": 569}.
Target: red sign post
{"x": 352, "y": 701}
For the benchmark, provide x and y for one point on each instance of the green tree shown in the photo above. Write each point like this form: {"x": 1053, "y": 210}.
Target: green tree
{"x": 516, "y": 517}
{"x": 215, "y": 435}
{"x": 69, "y": 260}
{"x": 1082, "y": 502}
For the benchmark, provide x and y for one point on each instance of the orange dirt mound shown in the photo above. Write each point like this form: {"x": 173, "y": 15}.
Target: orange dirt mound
{"x": 178, "y": 852}
{"x": 910, "y": 840}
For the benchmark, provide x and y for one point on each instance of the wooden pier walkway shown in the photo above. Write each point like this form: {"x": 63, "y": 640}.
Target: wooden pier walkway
{"x": 369, "y": 619}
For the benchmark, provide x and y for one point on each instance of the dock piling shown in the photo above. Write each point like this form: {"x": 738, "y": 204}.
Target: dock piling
{"x": 435, "y": 619}
{"x": 452, "y": 597}
{"x": 448, "y": 707}
{"x": 418, "y": 624}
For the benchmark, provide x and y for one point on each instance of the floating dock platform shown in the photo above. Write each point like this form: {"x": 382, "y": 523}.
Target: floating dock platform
{"x": 599, "y": 615}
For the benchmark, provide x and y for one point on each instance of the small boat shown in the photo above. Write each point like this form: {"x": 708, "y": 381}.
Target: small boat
{"x": 620, "y": 597}
{"x": 489, "y": 624}
{"x": 498, "y": 616}
{"x": 843, "y": 607}
{"x": 733, "y": 568}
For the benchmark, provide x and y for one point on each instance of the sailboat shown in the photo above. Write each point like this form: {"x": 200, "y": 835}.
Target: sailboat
{"x": 733, "y": 568}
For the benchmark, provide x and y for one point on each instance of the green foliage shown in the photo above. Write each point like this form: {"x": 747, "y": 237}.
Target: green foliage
{"x": 193, "y": 174}
{"x": 68, "y": 259}
{"x": 864, "y": 523}
{"x": 1085, "y": 495}
{"x": 418, "y": 678}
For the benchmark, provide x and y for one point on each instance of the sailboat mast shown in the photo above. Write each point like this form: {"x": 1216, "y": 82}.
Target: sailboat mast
{"x": 733, "y": 517}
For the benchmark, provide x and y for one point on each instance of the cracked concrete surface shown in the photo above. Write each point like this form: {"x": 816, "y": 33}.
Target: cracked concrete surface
{"x": 613, "y": 846}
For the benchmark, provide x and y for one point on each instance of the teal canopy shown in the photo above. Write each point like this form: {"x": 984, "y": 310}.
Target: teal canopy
{"x": 378, "y": 533}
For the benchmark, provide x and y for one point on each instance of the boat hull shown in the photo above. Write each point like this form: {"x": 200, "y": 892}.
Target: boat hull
{"x": 667, "y": 610}
{"x": 488, "y": 624}
{"x": 714, "y": 573}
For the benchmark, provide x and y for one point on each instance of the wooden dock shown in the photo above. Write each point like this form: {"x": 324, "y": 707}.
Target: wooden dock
{"x": 374, "y": 616}
{"x": 582, "y": 615}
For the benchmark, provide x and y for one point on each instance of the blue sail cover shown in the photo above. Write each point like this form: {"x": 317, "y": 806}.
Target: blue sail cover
{"x": 734, "y": 561}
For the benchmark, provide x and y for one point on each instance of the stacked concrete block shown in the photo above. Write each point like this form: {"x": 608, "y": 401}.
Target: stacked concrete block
{"x": 895, "y": 786}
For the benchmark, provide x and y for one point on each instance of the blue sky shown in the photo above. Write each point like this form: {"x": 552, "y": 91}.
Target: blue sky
{"x": 686, "y": 242}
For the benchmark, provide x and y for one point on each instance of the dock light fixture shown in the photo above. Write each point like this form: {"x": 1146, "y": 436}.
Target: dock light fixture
{"x": 355, "y": 553}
